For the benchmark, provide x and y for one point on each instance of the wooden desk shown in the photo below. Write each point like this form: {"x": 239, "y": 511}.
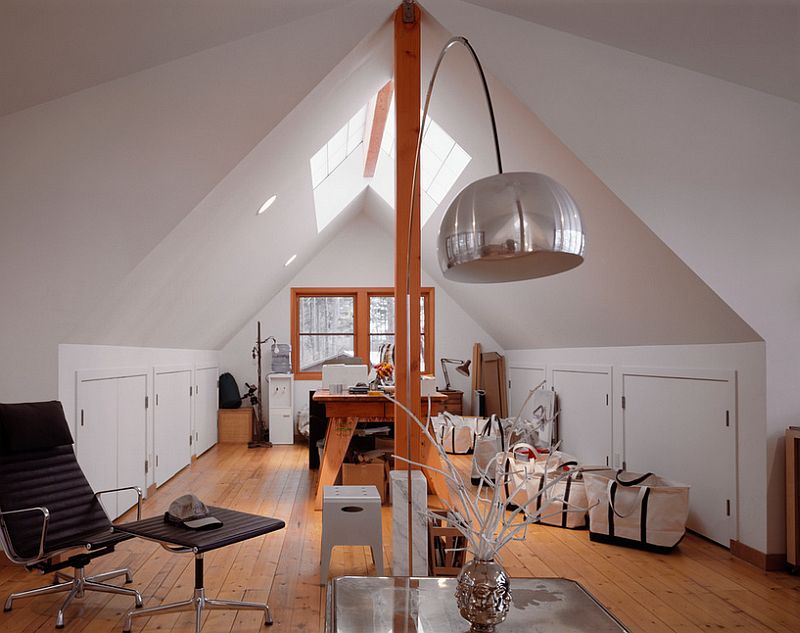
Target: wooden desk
{"x": 344, "y": 412}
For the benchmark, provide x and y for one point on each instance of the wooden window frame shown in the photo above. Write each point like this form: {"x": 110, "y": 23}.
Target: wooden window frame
{"x": 361, "y": 316}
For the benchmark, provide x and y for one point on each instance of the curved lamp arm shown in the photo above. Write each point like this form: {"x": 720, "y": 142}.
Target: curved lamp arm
{"x": 458, "y": 39}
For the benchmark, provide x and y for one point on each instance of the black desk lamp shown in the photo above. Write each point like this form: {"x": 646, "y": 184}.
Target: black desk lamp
{"x": 463, "y": 369}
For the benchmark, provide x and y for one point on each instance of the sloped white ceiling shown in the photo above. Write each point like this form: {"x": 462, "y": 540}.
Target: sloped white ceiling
{"x": 52, "y": 48}
{"x": 93, "y": 181}
{"x": 222, "y": 262}
{"x": 101, "y": 176}
{"x": 755, "y": 44}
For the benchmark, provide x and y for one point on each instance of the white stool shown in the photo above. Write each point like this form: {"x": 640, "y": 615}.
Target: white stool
{"x": 351, "y": 515}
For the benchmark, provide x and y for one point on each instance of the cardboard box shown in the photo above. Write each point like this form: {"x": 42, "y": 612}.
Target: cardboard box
{"x": 235, "y": 425}
{"x": 366, "y": 475}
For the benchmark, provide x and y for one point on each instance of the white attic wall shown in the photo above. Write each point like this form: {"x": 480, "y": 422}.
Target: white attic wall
{"x": 711, "y": 167}
{"x": 633, "y": 286}
{"x": 92, "y": 182}
{"x": 198, "y": 286}
{"x": 360, "y": 254}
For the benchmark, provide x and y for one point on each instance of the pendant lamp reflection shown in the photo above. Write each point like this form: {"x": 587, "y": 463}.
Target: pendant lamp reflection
{"x": 510, "y": 226}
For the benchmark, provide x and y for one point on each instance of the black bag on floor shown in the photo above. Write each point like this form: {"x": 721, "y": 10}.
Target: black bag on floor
{"x": 229, "y": 397}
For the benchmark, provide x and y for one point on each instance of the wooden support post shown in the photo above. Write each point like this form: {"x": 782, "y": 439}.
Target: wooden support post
{"x": 407, "y": 250}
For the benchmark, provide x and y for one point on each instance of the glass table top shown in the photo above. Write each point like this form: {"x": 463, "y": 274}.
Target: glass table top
{"x": 369, "y": 604}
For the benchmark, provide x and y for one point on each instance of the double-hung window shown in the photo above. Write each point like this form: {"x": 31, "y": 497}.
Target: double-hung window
{"x": 330, "y": 325}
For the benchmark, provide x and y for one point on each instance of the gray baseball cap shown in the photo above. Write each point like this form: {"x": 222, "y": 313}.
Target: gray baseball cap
{"x": 189, "y": 511}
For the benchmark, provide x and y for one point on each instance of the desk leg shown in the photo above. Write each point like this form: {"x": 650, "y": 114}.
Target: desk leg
{"x": 337, "y": 439}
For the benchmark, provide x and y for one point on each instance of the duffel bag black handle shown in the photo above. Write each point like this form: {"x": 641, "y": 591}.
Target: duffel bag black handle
{"x": 633, "y": 482}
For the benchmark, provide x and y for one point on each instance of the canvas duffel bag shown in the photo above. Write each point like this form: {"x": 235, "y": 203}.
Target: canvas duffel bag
{"x": 488, "y": 443}
{"x": 637, "y": 510}
{"x": 563, "y": 503}
{"x": 454, "y": 434}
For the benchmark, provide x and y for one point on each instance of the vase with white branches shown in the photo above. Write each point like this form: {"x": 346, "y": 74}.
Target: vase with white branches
{"x": 487, "y": 522}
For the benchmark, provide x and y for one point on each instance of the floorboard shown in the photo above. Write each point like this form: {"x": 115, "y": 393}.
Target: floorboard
{"x": 699, "y": 587}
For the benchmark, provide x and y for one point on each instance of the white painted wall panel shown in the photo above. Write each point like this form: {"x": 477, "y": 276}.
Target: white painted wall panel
{"x": 584, "y": 421}
{"x": 205, "y": 408}
{"x": 521, "y": 381}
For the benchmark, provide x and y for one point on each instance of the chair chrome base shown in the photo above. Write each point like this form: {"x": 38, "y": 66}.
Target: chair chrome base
{"x": 197, "y": 603}
{"x": 76, "y": 586}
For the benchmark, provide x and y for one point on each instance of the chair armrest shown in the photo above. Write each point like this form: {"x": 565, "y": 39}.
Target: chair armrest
{"x": 45, "y": 522}
{"x": 138, "y": 497}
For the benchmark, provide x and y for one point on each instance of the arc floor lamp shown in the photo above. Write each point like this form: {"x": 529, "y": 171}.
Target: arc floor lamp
{"x": 505, "y": 227}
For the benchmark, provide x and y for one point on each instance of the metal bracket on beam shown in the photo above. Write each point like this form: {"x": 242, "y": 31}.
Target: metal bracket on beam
{"x": 408, "y": 12}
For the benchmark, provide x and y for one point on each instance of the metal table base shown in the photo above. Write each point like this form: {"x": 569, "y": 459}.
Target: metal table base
{"x": 197, "y": 603}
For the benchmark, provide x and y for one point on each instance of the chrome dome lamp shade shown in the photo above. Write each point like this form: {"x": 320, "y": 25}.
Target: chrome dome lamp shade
{"x": 510, "y": 226}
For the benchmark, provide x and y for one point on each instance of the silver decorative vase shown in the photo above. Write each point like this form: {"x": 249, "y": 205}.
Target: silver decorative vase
{"x": 483, "y": 594}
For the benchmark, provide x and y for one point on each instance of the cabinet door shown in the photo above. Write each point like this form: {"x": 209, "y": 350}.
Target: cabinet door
{"x": 172, "y": 420}
{"x": 96, "y": 437}
{"x": 521, "y": 380}
{"x": 132, "y": 431}
{"x": 584, "y": 419}
{"x": 682, "y": 428}
{"x": 205, "y": 409}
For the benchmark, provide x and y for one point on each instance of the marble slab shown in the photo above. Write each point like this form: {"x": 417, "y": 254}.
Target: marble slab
{"x": 419, "y": 528}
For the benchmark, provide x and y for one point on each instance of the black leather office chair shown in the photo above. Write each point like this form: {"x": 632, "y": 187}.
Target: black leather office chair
{"x": 48, "y": 508}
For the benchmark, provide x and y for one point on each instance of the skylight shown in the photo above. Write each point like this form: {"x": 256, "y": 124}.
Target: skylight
{"x": 339, "y": 147}
{"x": 441, "y": 163}
{"x": 337, "y": 169}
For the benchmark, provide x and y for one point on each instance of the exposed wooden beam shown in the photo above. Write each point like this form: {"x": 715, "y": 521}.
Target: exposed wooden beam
{"x": 407, "y": 234}
{"x": 382, "y": 102}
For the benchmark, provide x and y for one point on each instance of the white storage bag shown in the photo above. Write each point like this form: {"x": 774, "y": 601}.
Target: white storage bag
{"x": 562, "y": 504}
{"x": 644, "y": 511}
{"x": 456, "y": 436}
{"x": 488, "y": 443}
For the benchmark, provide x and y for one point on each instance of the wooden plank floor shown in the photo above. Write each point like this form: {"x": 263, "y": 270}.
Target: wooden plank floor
{"x": 700, "y": 587}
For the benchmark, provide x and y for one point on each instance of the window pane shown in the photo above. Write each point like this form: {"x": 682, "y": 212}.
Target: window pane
{"x": 422, "y": 314}
{"x": 422, "y": 368}
{"x": 326, "y": 315}
{"x": 381, "y": 315}
{"x": 316, "y": 350}
{"x": 375, "y": 342}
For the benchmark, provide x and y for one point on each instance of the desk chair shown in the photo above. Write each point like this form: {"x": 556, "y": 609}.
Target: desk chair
{"x": 47, "y": 507}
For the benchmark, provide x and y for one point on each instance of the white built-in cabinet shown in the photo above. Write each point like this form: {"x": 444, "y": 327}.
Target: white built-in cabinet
{"x": 281, "y": 407}
{"x": 584, "y": 419}
{"x": 681, "y": 425}
{"x": 206, "y": 403}
{"x": 172, "y": 421}
{"x": 678, "y": 423}
{"x": 110, "y": 434}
